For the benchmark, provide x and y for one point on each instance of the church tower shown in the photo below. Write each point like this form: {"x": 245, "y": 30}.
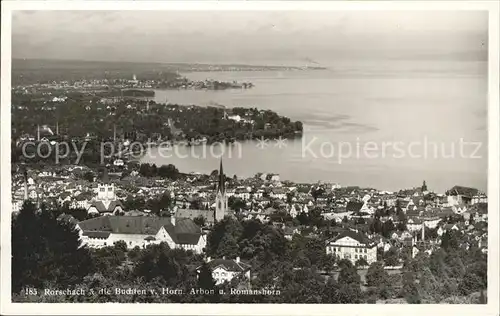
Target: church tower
{"x": 105, "y": 190}
{"x": 221, "y": 198}
{"x": 424, "y": 187}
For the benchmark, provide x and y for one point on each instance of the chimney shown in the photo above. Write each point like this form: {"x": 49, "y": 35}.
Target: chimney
{"x": 172, "y": 220}
{"x": 237, "y": 259}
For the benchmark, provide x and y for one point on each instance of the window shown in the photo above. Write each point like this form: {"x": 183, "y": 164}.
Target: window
{"x": 102, "y": 189}
{"x": 355, "y": 256}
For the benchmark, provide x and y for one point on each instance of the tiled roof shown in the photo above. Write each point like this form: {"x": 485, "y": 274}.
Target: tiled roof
{"x": 446, "y": 211}
{"x": 92, "y": 234}
{"x": 412, "y": 212}
{"x": 403, "y": 203}
{"x": 415, "y": 221}
{"x": 192, "y": 214}
{"x": 354, "y": 206}
{"x": 185, "y": 231}
{"x": 465, "y": 191}
{"x": 101, "y": 208}
{"x": 67, "y": 218}
{"x": 354, "y": 235}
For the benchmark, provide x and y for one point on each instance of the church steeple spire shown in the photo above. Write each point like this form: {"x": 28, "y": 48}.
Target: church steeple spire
{"x": 221, "y": 198}
{"x": 221, "y": 187}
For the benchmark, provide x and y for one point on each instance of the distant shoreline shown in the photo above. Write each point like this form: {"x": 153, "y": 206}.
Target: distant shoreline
{"x": 181, "y": 67}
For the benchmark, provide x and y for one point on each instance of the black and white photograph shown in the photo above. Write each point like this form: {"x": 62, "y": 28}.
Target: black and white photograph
{"x": 249, "y": 153}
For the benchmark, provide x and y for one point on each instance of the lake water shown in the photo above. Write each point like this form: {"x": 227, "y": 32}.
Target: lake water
{"x": 382, "y": 124}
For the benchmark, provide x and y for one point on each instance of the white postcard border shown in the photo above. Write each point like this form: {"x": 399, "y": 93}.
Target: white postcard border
{"x": 492, "y": 308}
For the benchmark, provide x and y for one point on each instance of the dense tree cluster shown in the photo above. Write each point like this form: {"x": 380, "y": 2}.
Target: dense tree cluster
{"x": 85, "y": 122}
{"x": 165, "y": 171}
{"x": 45, "y": 251}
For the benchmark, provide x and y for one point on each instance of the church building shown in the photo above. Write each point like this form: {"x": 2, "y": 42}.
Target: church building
{"x": 106, "y": 202}
{"x": 210, "y": 216}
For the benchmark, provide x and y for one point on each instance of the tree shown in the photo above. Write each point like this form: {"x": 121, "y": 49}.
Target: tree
{"x": 200, "y": 221}
{"x": 205, "y": 280}
{"x": 349, "y": 283}
{"x": 315, "y": 251}
{"x": 303, "y": 218}
{"x": 121, "y": 245}
{"x": 228, "y": 247}
{"x": 388, "y": 228}
{"x": 378, "y": 278}
{"x": 317, "y": 192}
{"x": 361, "y": 262}
{"x": 398, "y": 206}
{"x": 376, "y": 274}
{"x": 79, "y": 214}
{"x": 165, "y": 201}
{"x": 328, "y": 263}
{"x": 88, "y": 176}
{"x": 107, "y": 259}
{"x": 168, "y": 171}
{"x": 236, "y": 203}
{"x": 45, "y": 250}
{"x": 449, "y": 240}
{"x": 376, "y": 226}
{"x": 228, "y": 226}
{"x": 471, "y": 283}
{"x": 391, "y": 257}
{"x": 402, "y": 221}
{"x": 410, "y": 288}
{"x": 159, "y": 262}
{"x": 348, "y": 273}
{"x": 134, "y": 254}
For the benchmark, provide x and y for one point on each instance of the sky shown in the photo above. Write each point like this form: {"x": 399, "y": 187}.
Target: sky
{"x": 251, "y": 37}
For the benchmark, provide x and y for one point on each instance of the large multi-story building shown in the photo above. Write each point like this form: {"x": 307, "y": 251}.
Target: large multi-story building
{"x": 141, "y": 231}
{"x": 352, "y": 245}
